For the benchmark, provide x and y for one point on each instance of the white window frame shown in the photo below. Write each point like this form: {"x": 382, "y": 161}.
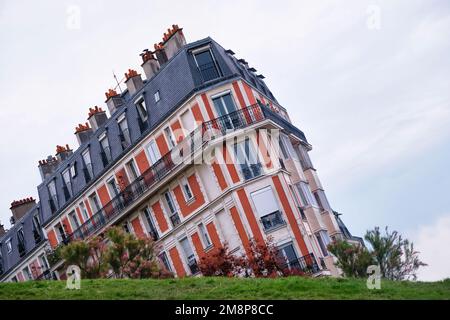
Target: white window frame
{"x": 157, "y": 96}
{"x": 9, "y": 245}
{"x": 132, "y": 171}
{"x": 152, "y": 151}
{"x": 83, "y": 210}
{"x": 170, "y": 137}
{"x": 204, "y": 235}
{"x": 184, "y": 184}
{"x": 139, "y": 102}
{"x": 27, "y": 275}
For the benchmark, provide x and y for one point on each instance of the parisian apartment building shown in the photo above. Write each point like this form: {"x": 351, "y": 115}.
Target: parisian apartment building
{"x": 195, "y": 153}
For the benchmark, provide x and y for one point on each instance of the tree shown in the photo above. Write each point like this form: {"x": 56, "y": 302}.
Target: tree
{"x": 264, "y": 259}
{"x": 353, "y": 260}
{"x": 118, "y": 253}
{"x": 219, "y": 262}
{"x": 131, "y": 257}
{"x": 394, "y": 255}
{"x": 88, "y": 256}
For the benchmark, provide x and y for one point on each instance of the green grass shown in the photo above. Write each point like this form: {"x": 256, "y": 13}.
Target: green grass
{"x": 227, "y": 288}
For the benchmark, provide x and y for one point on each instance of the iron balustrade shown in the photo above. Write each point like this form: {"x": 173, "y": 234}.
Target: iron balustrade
{"x": 307, "y": 264}
{"x": 175, "y": 219}
{"x": 209, "y": 71}
{"x": 193, "y": 142}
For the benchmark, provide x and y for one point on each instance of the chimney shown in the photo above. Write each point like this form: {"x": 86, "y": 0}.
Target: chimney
{"x": 149, "y": 64}
{"x": 133, "y": 81}
{"x": 113, "y": 100}
{"x": 2, "y": 230}
{"x": 83, "y": 133}
{"x": 20, "y": 207}
{"x": 62, "y": 153}
{"x": 172, "y": 42}
{"x": 97, "y": 117}
{"x": 160, "y": 53}
{"x": 48, "y": 166}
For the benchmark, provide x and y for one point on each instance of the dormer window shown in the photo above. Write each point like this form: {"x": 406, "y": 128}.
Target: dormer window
{"x": 157, "y": 96}
{"x": 73, "y": 170}
{"x": 67, "y": 184}
{"x": 206, "y": 64}
{"x": 53, "y": 199}
{"x": 106, "y": 150}
{"x": 88, "y": 172}
{"x": 21, "y": 242}
{"x": 9, "y": 245}
{"x": 124, "y": 133}
{"x": 143, "y": 114}
{"x": 142, "y": 108}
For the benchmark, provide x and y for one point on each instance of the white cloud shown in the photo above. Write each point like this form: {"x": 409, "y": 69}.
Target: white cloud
{"x": 432, "y": 243}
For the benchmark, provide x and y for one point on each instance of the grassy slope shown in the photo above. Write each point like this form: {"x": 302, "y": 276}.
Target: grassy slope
{"x": 223, "y": 288}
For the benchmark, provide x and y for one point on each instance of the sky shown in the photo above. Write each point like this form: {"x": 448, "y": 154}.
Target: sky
{"x": 367, "y": 81}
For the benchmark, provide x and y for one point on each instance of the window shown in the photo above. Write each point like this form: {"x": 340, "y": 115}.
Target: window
{"x": 73, "y": 170}
{"x": 207, "y": 65}
{"x": 36, "y": 229}
{"x": 186, "y": 189}
{"x": 87, "y": 169}
{"x": 106, "y": 151}
{"x": 174, "y": 218}
{"x": 169, "y": 137}
{"x": 188, "y": 121}
{"x": 267, "y": 208}
{"x": 53, "y": 196}
{"x": 26, "y": 273}
{"x": 113, "y": 188}
{"x": 247, "y": 159}
{"x": 95, "y": 204}
{"x": 60, "y": 233}
{"x": 132, "y": 170}
{"x": 67, "y": 184}
{"x": 307, "y": 199}
{"x": 14, "y": 279}
{"x": 84, "y": 212}
{"x": 305, "y": 161}
{"x": 324, "y": 241}
{"x": 321, "y": 200}
{"x": 157, "y": 97}
{"x": 165, "y": 261}
{"x": 153, "y": 152}
{"x": 124, "y": 133}
{"x": 9, "y": 245}
{"x": 21, "y": 242}
{"x": 151, "y": 226}
{"x": 286, "y": 147}
{"x": 74, "y": 219}
{"x": 297, "y": 202}
{"x": 225, "y": 108}
{"x": 204, "y": 234}
{"x": 189, "y": 255}
{"x": 126, "y": 228}
{"x": 142, "y": 109}
{"x": 43, "y": 262}
{"x": 287, "y": 251}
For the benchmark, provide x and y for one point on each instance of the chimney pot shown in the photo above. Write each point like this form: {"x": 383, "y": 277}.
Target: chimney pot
{"x": 20, "y": 207}
{"x": 83, "y": 133}
{"x": 149, "y": 64}
{"x": 133, "y": 81}
{"x": 113, "y": 100}
{"x": 97, "y": 117}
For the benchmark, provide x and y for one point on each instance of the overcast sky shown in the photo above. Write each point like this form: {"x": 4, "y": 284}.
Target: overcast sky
{"x": 367, "y": 81}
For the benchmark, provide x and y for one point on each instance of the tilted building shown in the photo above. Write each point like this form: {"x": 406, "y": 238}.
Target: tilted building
{"x": 197, "y": 154}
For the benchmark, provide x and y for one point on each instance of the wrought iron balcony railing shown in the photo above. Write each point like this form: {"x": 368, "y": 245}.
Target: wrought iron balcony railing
{"x": 307, "y": 264}
{"x": 186, "y": 148}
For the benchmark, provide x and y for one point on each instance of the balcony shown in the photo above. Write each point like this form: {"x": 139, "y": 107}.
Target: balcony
{"x": 193, "y": 143}
{"x": 307, "y": 264}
